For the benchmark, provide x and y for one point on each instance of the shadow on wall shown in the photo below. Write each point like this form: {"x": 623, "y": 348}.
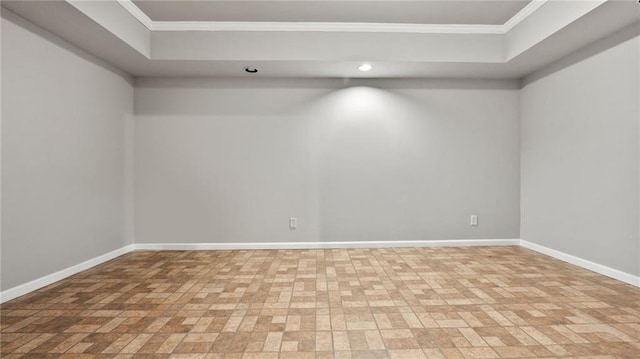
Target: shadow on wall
{"x": 625, "y": 34}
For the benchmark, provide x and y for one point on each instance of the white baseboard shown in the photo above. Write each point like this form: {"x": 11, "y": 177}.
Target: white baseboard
{"x": 36, "y": 284}
{"x": 326, "y": 245}
{"x": 598, "y": 268}
{"x": 52, "y": 278}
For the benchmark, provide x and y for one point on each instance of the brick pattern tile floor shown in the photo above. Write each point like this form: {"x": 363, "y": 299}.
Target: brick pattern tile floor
{"x": 465, "y": 302}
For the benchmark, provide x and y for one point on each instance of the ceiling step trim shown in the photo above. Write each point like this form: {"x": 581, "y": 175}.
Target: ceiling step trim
{"x": 238, "y": 26}
{"x": 325, "y": 27}
{"x": 134, "y": 10}
{"x": 523, "y": 14}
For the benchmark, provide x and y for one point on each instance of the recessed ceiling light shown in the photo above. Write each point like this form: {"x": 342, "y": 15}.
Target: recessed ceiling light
{"x": 251, "y": 70}
{"x": 365, "y": 67}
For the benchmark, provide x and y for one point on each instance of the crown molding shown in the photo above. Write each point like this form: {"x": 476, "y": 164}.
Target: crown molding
{"x": 135, "y": 11}
{"x": 522, "y": 14}
{"x": 324, "y": 27}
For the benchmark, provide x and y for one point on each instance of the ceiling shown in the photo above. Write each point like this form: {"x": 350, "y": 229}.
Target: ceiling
{"x": 329, "y": 38}
{"x": 409, "y": 12}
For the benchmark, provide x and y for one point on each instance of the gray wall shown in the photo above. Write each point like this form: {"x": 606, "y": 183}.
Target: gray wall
{"x": 232, "y": 160}
{"x": 63, "y": 123}
{"x": 580, "y": 157}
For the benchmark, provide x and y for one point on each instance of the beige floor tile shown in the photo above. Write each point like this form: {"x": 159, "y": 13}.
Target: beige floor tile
{"x": 464, "y": 302}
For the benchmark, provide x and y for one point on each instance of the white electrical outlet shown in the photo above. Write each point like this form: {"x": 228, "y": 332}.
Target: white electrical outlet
{"x": 474, "y": 220}
{"x": 293, "y": 223}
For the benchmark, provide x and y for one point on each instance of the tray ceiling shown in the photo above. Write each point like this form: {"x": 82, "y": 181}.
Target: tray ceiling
{"x": 452, "y": 39}
{"x": 400, "y": 12}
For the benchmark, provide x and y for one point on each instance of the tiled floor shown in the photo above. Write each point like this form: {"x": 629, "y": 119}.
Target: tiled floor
{"x": 480, "y": 302}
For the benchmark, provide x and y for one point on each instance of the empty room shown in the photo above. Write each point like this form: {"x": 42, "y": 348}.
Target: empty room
{"x": 325, "y": 179}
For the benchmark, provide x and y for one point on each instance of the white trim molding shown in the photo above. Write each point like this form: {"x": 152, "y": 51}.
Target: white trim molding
{"x": 134, "y": 10}
{"x": 592, "y": 266}
{"x": 256, "y": 26}
{"x": 529, "y": 9}
{"x": 41, "y": 282}
{"x": 57, "y": 276}
{"x": 326, "y": 245}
